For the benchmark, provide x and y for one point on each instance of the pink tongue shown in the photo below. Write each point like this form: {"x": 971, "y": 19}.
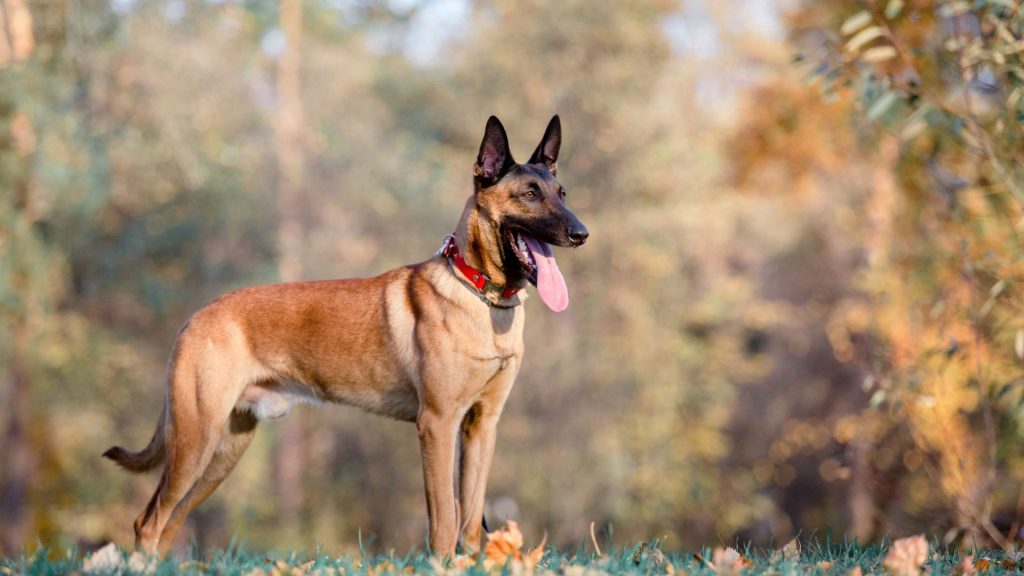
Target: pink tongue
{"x": 550, "y": 283}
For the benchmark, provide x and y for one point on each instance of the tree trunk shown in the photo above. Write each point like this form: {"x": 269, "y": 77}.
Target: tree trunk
{"x": 17, "y": 470}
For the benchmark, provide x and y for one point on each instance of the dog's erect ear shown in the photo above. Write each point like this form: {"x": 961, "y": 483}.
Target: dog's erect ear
{"x": 547, "y": 151}
{"x": 494, "y": 158}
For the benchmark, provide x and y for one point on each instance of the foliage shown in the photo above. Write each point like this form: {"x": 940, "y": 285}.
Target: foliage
{"x": 939, "y": 85}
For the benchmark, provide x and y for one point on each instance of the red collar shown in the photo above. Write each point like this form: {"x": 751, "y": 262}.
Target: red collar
{"x": 478, "y": 279}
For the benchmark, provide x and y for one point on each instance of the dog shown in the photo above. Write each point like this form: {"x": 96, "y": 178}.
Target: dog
{"x": 437, "y": 343}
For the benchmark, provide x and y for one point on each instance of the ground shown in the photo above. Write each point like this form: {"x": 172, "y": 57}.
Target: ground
{"x": 504, "y": 555}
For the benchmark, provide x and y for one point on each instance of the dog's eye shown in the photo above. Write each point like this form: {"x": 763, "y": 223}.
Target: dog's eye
{"x": 561, "y": 192}
{"x": 532, "y": 192}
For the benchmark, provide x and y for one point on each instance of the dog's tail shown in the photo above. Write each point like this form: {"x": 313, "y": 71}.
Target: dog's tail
{"x": 150, "y": 456}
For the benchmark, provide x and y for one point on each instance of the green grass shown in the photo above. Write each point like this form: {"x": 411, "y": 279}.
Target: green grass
{"x": 646, "y": 558}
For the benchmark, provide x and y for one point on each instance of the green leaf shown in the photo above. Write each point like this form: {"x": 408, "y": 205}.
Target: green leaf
{"x": 877, "y": 398}
{"x": 916, "y": 122}
{"x": 863, "y": 37}
{"x": 882, "y": 105}
{"x": 855, "y": 22}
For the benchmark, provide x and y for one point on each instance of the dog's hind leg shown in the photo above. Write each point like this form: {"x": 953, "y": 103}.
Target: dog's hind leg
{"x": 201, "y": 400}
{"x": 235, "y": 439}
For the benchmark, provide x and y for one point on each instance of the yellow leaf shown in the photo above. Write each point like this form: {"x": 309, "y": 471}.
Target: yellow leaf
{"x": 878, "y": 54}
{"x": 855, "y": 22}
{"x": 893, "y": 8}
{"x": 863, "y": 37}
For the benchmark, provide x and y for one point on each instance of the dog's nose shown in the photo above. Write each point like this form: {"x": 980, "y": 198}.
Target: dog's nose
{"x": 578, "y": 234}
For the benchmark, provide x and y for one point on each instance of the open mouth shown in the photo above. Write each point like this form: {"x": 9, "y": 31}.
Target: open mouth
{"x": 517, "y": 240}
{"x": 538, "y": 263}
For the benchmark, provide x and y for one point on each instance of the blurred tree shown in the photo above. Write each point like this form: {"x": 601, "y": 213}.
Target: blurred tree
{"x": 288, "y": 453}
{"x": 18, "y": 145}
{"x": 759, "y": 255}
{"x": 931, "y": 95}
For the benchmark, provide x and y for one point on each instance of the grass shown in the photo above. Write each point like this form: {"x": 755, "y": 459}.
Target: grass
{"x": 647, "y": 558}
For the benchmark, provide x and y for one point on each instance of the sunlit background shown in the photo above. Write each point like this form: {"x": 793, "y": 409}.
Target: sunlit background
{"x": 799, "y": 311}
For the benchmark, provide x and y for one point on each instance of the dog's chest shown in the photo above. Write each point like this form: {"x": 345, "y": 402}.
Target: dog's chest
{"x": 496, "y": 346}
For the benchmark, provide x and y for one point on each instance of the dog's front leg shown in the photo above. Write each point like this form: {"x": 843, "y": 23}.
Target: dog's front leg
{"x": 479, "y": 431}
{"x": 438, "y": 431}
{"x": 478, "y": 437}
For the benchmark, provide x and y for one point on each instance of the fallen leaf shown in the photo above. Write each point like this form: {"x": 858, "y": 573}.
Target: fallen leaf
{"x": 639, "y": 553}
{"x": 791, "y": 551}
{"x": 824, "y": 565}
{"x": 503, "y": 545}
{"x": 534, "y": 556}
{"x": 193, "y": 565}
{"x": 906, "y": 556}
{"x": 856, "y": 571}
{"x": 139, "y": 563}
{"x": 463, "y": 561}
{"x": 729, "y": 562}
{"x": 966, "y": 566}
{"x": 106, "y": 559}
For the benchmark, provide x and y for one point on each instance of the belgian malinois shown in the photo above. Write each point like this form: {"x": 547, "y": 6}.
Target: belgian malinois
{"x": 437, "y": 343}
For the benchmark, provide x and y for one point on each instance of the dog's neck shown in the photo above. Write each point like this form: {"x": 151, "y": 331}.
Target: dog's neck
{"x": 479, "y": 240}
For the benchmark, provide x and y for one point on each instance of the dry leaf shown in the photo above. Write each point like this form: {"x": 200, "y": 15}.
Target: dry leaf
{"x": 966, "y": 566}
{"x": 791, "y": 551}
{"x": 824, "y": 565}
{"x": 638, "y": 555}
{"x": 534, "y": 556}
{"x": 982, "y": 564}
{"x": 193, "y": 565}
{"x": 503, "y": 545}
{"x": 139, "y": 563}
{"x": 906, "y": 556}
{"x": 728, "y": 561}
{"x": 106, "y": 559}
{"x": 506, "y": 545}
{"x": 856, "y": 571}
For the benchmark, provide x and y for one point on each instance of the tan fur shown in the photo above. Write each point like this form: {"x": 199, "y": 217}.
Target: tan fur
{"x": 415, "y": 344}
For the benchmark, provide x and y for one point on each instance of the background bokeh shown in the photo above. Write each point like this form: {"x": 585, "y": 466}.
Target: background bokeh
{"x": 799, "y": 310}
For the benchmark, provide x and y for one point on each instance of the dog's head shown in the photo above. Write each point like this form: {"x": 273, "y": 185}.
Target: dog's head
{"x": 526, "y": 204}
